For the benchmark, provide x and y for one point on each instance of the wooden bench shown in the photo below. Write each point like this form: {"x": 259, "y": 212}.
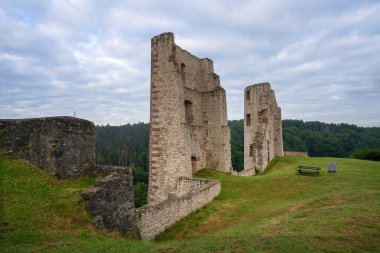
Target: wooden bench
{"x": 308, "y": 169}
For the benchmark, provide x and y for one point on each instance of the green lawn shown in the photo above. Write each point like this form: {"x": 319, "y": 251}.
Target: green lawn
{"x": 277, "y": 211}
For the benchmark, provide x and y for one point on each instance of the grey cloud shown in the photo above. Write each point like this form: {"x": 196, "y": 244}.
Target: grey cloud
{"x": 93, "y": 57}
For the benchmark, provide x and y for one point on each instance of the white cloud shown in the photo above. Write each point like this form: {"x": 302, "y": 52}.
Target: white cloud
{"x": 93, "y": 57}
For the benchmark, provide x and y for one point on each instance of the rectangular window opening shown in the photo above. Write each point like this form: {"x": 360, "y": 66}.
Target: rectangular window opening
{"x": 248, "y": 119}
{"x": 251, "y": 150}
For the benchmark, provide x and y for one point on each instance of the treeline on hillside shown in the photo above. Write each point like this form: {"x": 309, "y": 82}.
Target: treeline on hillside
{"x": 322, "y": 139}
{"x": 128, "y": 145}
{"x": 316, "y": 138}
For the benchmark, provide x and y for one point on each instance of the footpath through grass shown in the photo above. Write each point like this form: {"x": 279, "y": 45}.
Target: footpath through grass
{"x": 278, "y": 211}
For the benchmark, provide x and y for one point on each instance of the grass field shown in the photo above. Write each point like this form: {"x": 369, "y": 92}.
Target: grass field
{"x": 277, "y": 211}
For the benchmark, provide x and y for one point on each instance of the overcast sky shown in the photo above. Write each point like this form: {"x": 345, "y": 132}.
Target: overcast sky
{"x": 91, "y": 57}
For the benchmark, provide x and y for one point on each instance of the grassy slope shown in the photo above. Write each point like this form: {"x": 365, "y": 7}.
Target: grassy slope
{"x": 276, "y": 211}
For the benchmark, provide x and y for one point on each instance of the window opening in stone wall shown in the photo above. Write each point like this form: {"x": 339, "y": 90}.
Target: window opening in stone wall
{"x": 183, "y": 73}
{"x": 251, "y": 150}
{"x": 248, "y": 119}
{"x": 194, "y": 163}
{"x": 268, "y": 152}
{"x": 263, "y": 116}
{"x": 189, "y": 117}
{"x": 247, "y": 95}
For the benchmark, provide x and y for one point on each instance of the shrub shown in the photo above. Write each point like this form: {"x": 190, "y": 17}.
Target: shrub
{"x": 367, "y": 154}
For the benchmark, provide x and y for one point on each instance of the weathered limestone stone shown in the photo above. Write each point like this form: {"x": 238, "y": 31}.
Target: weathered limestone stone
{"x": 194, "y": 193}
{"x": 296, "y": 153}
{"x": 61, "y": 146}
{"x": 111, "y": 201}
{"x": 188, "y": 118}
{"x": 262, "y": 128}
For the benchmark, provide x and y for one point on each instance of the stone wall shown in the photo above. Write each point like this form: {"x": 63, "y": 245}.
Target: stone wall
{"x": 186, "y": 185}
{"x": 61, "y": 146}
{"x": 101, "y": 170}
{"x": 153, "y": 219}
{"x": 188, "y": 118}
{"x": 262, "y": 128}
{"x": 296, "y": 153}
{"x": 111, "y": 202}
{"x": 244, "y": 173}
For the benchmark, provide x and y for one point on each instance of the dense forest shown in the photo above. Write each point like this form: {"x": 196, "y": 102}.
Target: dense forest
{"x": 316, "y": 138}
{"x": 128, "y": 145}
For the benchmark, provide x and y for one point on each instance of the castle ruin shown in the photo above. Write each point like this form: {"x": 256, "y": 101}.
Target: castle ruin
{"x": 188, "y": 132}
{"x": 188, "y": 118}
{"x": 262, "y": 128}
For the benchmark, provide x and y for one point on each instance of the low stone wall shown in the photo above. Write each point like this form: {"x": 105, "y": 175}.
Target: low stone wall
{"x": 186, "y": 185}
{"x": 105, "y": 170}
{"x": 111, "y": 202}
{"x": 61, "y": 146}
{"x": 244, "y": 173}
{"x": 151, "y": 220}
{"x": 296, "y": 153}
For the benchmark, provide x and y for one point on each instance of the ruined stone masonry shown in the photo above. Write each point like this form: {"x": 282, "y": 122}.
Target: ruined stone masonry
{"x": 188, "y": 131}
{"x": 61, "y": 146}
{"x": 195, "y": 193}
{"x": 111, "y": 201}
{"x": 262, "y": 128}
{"x": 296, "y": 153}
{"x": 188, "y": 118}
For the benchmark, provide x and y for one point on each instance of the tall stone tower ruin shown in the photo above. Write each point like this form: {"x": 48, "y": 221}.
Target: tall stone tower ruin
{"x": 262, "y": 128}
{"x": 188, "y": 118}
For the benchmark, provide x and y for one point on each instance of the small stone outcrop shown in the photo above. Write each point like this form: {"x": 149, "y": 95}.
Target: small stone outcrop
{"x": 61, "y": 146}
{"x": 111, "y": 202}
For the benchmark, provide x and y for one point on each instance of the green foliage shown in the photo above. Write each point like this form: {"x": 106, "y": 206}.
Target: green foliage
{"x": 140, "y": 181}
{"x": 141, "y": 191}
{"x": 123, "y": 145}
{"x": 322, "y": 139}
{"x": 139, "y": 175}
{"x": 237, "y": 144}
{"x": 126, "y": 146}
{"x": 368, "y": 154}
